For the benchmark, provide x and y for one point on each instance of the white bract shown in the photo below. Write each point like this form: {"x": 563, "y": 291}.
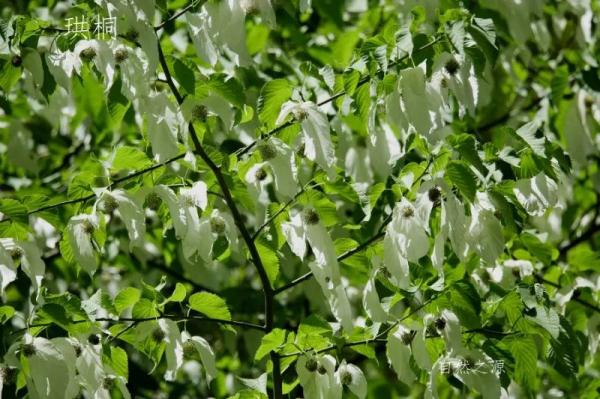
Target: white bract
{"x": 30, "y": 258}
{"x": 318, "y": 377}
{"x": 536, "y": 194}
{"x": 80, "y": 230}
{"x": 130, "y": 212}
{"x": 307, "y": 227}
{"x": 405, "y": 240}
{"x": 315, "y": 133}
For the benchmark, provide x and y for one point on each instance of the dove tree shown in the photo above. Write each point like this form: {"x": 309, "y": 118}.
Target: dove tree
{"x": 300, "y": 199}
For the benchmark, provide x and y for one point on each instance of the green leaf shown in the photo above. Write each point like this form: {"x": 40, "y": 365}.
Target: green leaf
{"x": 179, "y": 293}
{"x": 129, "y": 158}
{"x": 483, "y": 32}
{"x": 314, "y": 325}
{"x": 272, "y": 97}
{"x": 184, "y": 75}
{"x": 525, "y": 353}
{"x": 270, "y": 342}
{"x": 6, "y": 313}
{"x": 13, "y": 209}
{"x": 351, "y": 79}
{"x": 544, "y": 252}
{"x": 210, "y": 305}
{"x": 144, "y": 309}
{"x": 559, "y": 83}
{"x": 227, "y": 87}
{"x": 126, "y": 298}
{"x": 269, "y": 257}
{"x": 463, "y": 178}
{"x": 118, "y": 361}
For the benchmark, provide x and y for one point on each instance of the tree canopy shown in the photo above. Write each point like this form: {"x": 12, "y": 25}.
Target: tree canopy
{"x": 302, "y": 199}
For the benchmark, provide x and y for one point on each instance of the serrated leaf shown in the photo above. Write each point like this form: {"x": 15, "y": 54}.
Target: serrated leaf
{"x": 270, "y": 342}
{"x": 525, "y": 353}
{"x": 118, "y": 361}
{"x": 269, "y": 258}
{"x": 144, "y": 309}
{"x": 210, "y": 305}
{"x": 129, "y": 158}
{"x": 463, "y": 178}
{"x": 126, "y": 298}
{"x": 272, "y": 97}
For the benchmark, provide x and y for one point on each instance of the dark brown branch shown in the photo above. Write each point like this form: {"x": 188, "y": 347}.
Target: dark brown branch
{"x": 239, "y": 222}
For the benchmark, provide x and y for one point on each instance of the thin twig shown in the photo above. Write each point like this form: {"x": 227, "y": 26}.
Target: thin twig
{"x": 380, "y": 234}
{"x": 362, "y": 81}
{"x": 135, "y": 320}
{"x": 179, "y": 14}
{"x": 279, "y": 212}
{"x": 378, "y": 337}
{"x": 112, "y": 185}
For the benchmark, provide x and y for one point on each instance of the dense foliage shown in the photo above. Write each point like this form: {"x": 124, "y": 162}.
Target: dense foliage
{"x": 296, "y": 198}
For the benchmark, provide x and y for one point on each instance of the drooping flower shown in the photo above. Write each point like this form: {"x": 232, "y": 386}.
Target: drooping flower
{"x": 305, "y": 227}
{"x": 318, "y": 378}
{"x": 173, "y": 347}
{"x": 351, "y": 376}
{"x": 315, "y": 132}
{"x": 130, "y": 212}
{"x": 98, "y": 52}
{"x": 51, "y": 373}
{"x": 8, "y": 270}
{"x": 79, "y": 233}
{"x": 163, "y": 123}
{"x": 405, "y": 240}
{"x": 195, "y": 232}
{"x": 403, "y": 343}
{"x": 280, "y": 158}
{"x": 219, "y": 26}
{"x": 202, "y": 347}
{"x": 28, "y": 254}
{"x": 454, "y": 73}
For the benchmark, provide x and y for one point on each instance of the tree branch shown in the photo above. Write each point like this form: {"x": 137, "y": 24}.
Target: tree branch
{"x": 110, "y": 186}
{"x": 362, "y": 81}
{"x": 578, "y": 300}
{"x": 279, "y": 212}
{"x": 235, "y": 323}
{"x": 179, "y": 14}
{"x": 239, "y": 222}
{"x": 380, "y": 234}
